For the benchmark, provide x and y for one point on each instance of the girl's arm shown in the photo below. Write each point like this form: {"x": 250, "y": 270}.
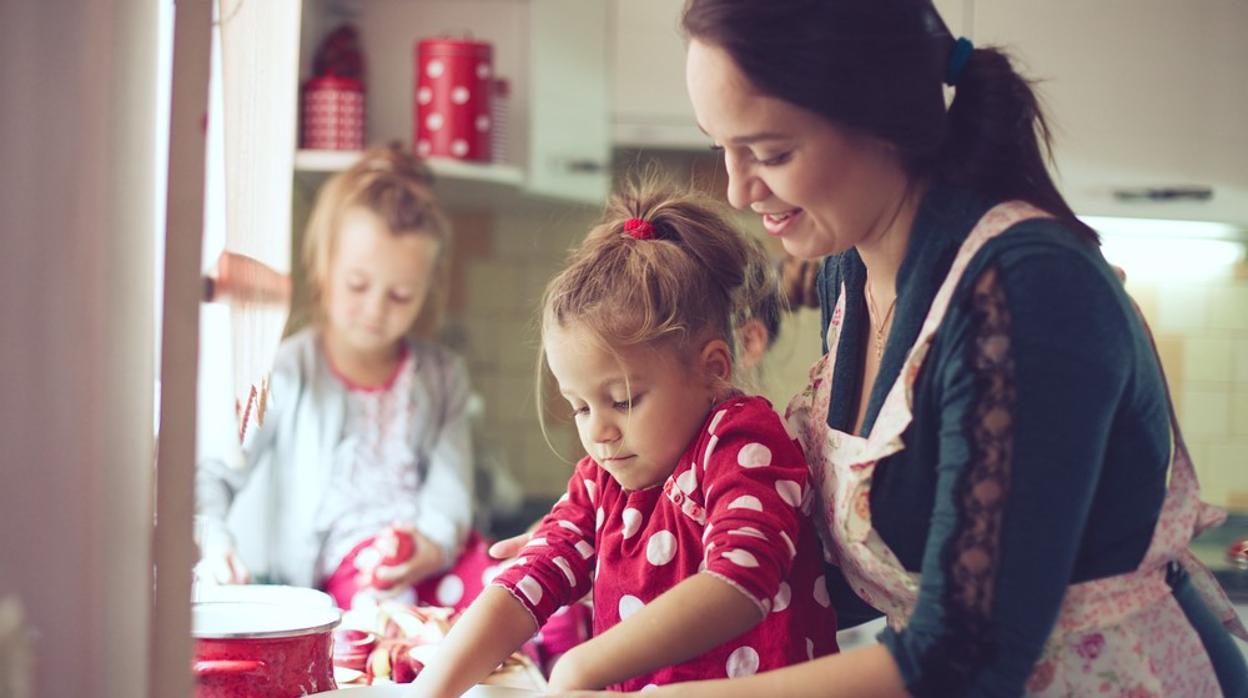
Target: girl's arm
{"x": 696, "y": 615}
{"x": 224, "y": 466}
{"x": 555, "y": 569}
{"x": 866, "y": 672}
{"x": 490, "y": 630}
{"x": 756, "y": 476}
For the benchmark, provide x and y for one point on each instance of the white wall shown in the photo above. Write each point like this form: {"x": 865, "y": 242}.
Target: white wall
{"x": 77, "y": 91}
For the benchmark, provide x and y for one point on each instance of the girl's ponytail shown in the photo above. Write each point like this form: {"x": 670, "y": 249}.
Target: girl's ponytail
{"x": 662, "y": 267}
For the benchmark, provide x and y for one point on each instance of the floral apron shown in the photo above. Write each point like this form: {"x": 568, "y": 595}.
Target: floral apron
{"x": 1123, "y": 634}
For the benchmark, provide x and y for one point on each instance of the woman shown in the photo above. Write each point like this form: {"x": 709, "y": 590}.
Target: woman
{"x": 999, "y": 469}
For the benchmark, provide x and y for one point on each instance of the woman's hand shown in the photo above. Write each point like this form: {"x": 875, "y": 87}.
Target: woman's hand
{"x": 426, "y": 560}
{"x": 510, "y": 547}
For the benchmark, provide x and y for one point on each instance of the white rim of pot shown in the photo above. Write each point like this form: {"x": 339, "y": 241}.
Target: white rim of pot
{"x": 225, "y": 620}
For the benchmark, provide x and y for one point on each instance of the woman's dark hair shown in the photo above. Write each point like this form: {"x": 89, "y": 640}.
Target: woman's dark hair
{"x": 877, "y": 67}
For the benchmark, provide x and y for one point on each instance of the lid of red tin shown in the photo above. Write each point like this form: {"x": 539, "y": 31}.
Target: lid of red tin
{"x": 449, "y": 46}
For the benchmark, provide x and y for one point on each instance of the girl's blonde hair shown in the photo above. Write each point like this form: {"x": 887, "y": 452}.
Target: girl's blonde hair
{"x": 397, "y": 187}
{"x": 690, "y": 281}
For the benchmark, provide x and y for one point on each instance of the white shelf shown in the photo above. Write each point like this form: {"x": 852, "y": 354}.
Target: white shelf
{"x": 317, "y": 161}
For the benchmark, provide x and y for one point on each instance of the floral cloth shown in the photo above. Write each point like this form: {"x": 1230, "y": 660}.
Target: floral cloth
{"x": 1123, "y": 635}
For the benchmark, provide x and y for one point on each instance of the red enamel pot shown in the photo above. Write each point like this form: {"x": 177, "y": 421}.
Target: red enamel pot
{"x": 261, "y": 650}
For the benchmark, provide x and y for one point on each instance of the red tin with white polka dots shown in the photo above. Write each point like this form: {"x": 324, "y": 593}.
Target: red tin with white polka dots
{"x": 454, "y": 81}
{"x": 333, "y": 114}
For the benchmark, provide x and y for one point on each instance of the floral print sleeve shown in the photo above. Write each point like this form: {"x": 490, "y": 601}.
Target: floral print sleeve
{"x": 1022, "y": 437}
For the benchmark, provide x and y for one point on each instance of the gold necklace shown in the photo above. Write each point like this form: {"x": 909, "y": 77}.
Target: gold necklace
{"x": 872, "y": 312}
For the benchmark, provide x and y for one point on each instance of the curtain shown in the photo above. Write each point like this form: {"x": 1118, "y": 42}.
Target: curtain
{"x": 259, "y": 78}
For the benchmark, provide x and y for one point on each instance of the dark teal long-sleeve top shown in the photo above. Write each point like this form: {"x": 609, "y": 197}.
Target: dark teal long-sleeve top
{"x": 1082, "y": 456}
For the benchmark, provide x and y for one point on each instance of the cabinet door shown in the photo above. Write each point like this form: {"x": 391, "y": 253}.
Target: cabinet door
{"x": 1141, "y": 94}
{"x": 649, "y": 104}
{"x": 957, "y": 15}
{"x": 568, "y": 139}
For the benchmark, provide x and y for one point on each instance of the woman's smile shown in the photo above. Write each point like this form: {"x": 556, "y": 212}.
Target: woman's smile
{"x": 776, "y": 223}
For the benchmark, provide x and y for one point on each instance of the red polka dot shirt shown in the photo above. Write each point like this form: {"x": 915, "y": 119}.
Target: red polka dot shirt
{"x": 733, "y": 508}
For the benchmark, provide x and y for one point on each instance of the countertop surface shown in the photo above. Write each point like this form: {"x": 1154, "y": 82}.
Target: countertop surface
{"x": 1210, "y": 548}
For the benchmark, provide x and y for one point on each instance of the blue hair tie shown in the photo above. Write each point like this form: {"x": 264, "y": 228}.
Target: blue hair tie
{"x": 958, "y": 57}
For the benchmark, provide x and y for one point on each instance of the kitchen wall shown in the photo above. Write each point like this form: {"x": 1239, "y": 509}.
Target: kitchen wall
{"x": 1197, "y": 304}
{"x": 512, "y": 256}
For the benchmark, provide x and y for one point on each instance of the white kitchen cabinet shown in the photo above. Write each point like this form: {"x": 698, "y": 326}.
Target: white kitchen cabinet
{"x": 1142, "y": 95}
{"x": 553, "y": 54}
{"x": 569, "y": 145}
{"x": 650, "y": 107}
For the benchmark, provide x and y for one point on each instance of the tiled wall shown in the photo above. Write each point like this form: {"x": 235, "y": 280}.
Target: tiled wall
{"x": 506, "y": 260}
{"x": 1201, "y": 327}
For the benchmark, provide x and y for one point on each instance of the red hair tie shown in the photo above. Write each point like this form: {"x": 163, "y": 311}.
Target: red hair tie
{"x": 638, "y": 229}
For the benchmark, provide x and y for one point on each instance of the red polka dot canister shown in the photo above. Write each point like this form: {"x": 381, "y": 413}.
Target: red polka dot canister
{"x": 454, "y": 82}
{"x": 333, "y": 114}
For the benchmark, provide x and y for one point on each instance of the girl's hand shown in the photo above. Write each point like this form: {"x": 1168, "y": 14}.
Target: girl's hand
{"x": 569, "y": 673}
{"x": 240, "y": 279}
{"x": 426, "y": 560}
{"x": 222, "y": 566}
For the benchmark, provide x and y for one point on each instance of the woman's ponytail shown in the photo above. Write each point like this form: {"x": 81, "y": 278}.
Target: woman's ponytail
{"x": 997, "y": 141}
{"x": 876, "y": 67}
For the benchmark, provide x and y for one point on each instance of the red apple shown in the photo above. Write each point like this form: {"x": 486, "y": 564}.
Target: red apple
{"x": 396, "y": 547}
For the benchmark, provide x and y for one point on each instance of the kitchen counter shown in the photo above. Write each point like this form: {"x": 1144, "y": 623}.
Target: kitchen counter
{"x": 1210, "y": 548}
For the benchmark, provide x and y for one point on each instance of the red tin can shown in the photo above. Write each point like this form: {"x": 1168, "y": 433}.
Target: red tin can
{"x": 454, "y": 82}
{"x": 333, "y": 114}
{"x": 262, "y": 650}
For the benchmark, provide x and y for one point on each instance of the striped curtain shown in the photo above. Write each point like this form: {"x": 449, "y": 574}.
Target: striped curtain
{"x": 259, "y": 83}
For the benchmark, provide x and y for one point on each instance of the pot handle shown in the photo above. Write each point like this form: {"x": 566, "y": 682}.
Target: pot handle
{"x": 225, "y": 667}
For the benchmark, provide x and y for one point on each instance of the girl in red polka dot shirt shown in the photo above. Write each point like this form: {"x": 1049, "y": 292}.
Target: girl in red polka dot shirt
{"x": 686, "y": 518}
